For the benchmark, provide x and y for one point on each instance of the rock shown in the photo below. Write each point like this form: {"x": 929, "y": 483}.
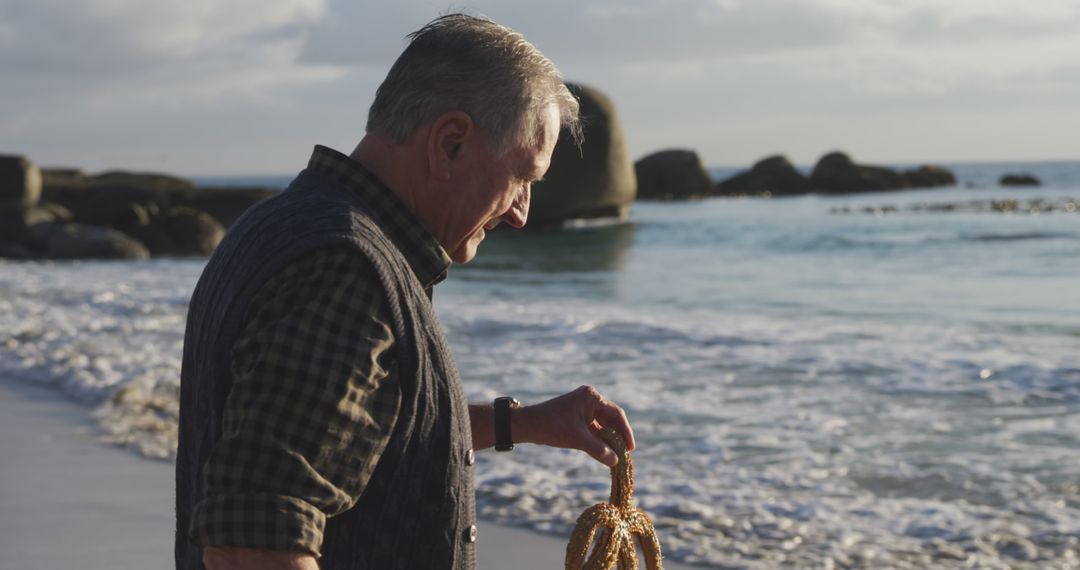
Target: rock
{"x": 104, "y": 205}
{"x": 771, "y": 176}
{"x": 20, "y": 182}
{"x": 672, "y": 175}
{"x": 180, "y": 231}
{"x": 167, "y": 214}
{"x": 15, "y": 251}
{"x": 107, "y": 199}
{"x": 56, "y": 240}
{"x": 118, "y": 214}
{"x": 15, "y": 223}
{"x": 836, "y": 173}
{"x": 62, "y": 176}
{"x": 115, "y": 199}
{"x": 192, "y": 232}
{"x": 1022, "y": 179}
{"x": 143, "y": 180}
{"x": 595, "y": 181}
{"x": 110, "y": 206}
{"x": 59, "y": 213}
{"x": 152, "y": 232}
{"x": 929, "y": 176}
{"x": 224, "y": 204}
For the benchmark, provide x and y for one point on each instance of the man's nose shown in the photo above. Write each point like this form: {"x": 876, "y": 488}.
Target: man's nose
{"x": 518, "y": 213}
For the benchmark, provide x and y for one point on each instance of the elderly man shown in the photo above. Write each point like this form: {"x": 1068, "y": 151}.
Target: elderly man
{"x": 322, "y": 416}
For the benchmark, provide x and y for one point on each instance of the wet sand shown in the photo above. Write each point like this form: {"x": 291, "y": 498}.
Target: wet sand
{"x": 69, "y": 501}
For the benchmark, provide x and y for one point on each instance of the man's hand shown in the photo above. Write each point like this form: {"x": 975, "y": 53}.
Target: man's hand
{"x": 570, "y": 421}
{"x": 227, "y": 558}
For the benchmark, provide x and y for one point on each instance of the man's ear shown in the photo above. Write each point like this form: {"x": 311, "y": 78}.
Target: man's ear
{"x": 445, "y": 141}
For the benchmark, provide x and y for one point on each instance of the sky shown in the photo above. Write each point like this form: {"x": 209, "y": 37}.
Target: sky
{"x": 247, "y": 87}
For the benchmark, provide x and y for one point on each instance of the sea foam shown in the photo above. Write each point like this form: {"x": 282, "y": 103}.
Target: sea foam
{"x": 912, "y": 402}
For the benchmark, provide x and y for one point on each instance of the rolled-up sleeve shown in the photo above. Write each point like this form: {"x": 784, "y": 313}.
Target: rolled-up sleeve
{"x": 313, "y": 402}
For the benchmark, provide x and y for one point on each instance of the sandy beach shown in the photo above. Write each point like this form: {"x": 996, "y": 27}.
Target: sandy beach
{"x": 69, "y": 501}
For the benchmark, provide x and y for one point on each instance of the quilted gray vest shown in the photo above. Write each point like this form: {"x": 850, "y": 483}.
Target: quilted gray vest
{"x": 418, "y": 509}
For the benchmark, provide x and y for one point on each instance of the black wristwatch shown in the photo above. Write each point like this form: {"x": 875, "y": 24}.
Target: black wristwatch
{"x": 504, "y": 440}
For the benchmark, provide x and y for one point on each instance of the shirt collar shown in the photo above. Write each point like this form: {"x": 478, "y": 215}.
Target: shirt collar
{"x": 427, "y": 258}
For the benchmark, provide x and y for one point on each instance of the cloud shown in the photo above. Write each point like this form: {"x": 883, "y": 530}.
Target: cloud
{"x": 613, "y": 32}
{"x": 951, "y": 16}
{"x": 98, "y": 56}
{"x": 224, "y": 83}
{"x": 925, "y": 47}
{"x": 132, "y": 36}
{"x": 918, "y": 47}
{"x": 84, "y": 78}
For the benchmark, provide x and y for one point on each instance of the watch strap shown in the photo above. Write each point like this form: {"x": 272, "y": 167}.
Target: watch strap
{"x": 504, "y": 440}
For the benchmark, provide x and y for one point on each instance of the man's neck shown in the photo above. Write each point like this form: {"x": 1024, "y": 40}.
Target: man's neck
{"x": 395, "y": 165}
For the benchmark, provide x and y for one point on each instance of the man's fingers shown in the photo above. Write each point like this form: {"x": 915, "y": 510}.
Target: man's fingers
{"x": 611, "y": 415}
{"x": 607, "y": 413}
{"x": 595, "y": 447}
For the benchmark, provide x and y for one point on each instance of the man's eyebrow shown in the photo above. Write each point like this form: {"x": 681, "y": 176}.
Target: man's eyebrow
{"x": 530, "y": 174}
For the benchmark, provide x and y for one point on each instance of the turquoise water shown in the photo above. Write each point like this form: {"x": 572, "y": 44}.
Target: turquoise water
{"x": 809, "y": 389}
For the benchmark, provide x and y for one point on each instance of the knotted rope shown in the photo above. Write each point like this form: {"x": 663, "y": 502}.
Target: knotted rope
{"x": 617, "y": 521}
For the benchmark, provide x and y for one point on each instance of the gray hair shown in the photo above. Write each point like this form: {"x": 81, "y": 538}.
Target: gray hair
{"x": 471, "y": 64}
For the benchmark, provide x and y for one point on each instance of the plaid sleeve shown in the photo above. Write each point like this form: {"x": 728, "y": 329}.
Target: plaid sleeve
{"x": 314, "y": 398}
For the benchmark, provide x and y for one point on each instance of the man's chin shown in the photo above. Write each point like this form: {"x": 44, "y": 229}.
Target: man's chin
{"x": 467, "y": 251}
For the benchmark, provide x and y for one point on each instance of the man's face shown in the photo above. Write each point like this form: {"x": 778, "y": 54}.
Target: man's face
{"x": 493, "y": 189}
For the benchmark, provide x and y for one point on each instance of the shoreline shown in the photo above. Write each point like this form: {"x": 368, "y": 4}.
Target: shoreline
{"x": 68, "y": 500}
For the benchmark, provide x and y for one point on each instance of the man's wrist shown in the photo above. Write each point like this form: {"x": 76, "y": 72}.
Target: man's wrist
{"x": 521, "y": 424}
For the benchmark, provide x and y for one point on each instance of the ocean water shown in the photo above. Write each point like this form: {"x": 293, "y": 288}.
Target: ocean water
{"x": 809, "y": 388}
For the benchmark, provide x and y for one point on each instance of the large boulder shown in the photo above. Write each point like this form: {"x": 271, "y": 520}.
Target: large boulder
{"x": 145, "y": 212}
{"x": 929, "y": 176}
{"x": 106, "y": 199}
{"x": 1023, "y": 179}
{"x": 224, "y": 204}
{"x": 179, "y": 231}
{"x": 110, "y": 199}
{"x": 20, "y": 182}
{"x": 771, "y": 176}
{"x": 836, "y": 173}
{"x": 672, "y": 175}
{"x": 15, "y": 251}
{"x": 145, "y": 180}
{"x": 56, "y": 240}
{"x": 118, "y": 213}
{"x": 192, "y": 232}
{"x": 594, "y": 181}
{"x": 111, "y": 206}
{"x": 15, "y": 223}
{"x": 58, "y": 212}
{"x": 62, "y": 177}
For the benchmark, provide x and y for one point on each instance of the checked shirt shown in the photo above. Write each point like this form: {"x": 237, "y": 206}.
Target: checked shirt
{"x": 315, "y": 391}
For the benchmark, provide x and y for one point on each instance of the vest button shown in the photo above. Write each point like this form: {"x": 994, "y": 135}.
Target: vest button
{"x": 470, "y": 457}
{"x": 470, "y": 535}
